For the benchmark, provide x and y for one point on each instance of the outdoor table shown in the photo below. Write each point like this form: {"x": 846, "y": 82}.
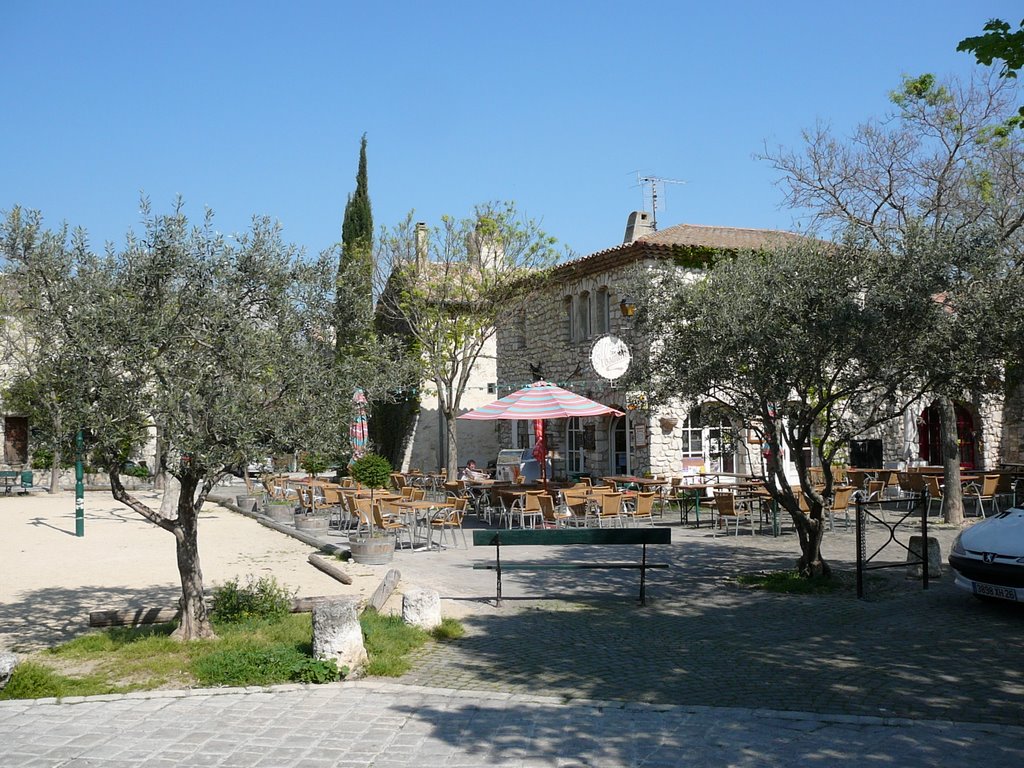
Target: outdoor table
{"x": 419, "y": 512}
{"x": 642, "y": 481}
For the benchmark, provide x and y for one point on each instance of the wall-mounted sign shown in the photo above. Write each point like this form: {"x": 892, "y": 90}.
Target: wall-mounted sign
{"x": 610, "y": 357}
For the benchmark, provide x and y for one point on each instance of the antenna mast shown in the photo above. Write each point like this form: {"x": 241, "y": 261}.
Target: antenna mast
{"x": 649, "y": 189}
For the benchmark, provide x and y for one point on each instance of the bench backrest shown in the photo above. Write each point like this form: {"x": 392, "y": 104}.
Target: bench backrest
{"x": 517, "y": 537}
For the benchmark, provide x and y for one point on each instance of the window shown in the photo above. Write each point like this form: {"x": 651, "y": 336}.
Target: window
{"x": 709, "y": 436}
{"x": 519, "y": 329}
{"x": 570, "y": 324}
{"x": 523, "y": 434}
{"x": 583, "y": 316}
{"x": 602, "y": 320}
{"x": 574, "y": 457}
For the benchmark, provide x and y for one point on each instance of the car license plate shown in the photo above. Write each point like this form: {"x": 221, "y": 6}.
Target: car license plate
{"x": 990, "y": 590}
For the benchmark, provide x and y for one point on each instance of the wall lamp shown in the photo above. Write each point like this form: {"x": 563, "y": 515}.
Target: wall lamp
{"x": 627, "y": 306}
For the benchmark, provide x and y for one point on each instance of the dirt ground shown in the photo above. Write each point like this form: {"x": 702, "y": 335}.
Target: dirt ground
{"x": 50, "y": 579}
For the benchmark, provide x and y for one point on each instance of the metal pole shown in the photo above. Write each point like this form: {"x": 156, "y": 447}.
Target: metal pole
{"x": 860, "y": 548}
{"x": 924, "y": 547}
{"x": 79, "y": 487}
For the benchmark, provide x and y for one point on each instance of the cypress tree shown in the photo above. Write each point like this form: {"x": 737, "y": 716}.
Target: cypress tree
{"x": 354, "y": 320}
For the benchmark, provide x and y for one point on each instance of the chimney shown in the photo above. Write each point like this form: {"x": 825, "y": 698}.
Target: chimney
{"x": 422, "y": 233}
{"x": 638, "y": 224}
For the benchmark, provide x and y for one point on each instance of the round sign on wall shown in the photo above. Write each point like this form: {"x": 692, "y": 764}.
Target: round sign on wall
{"x": 610, "y": 357}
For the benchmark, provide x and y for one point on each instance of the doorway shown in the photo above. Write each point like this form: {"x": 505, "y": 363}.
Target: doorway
{"x": 929, "y": 436}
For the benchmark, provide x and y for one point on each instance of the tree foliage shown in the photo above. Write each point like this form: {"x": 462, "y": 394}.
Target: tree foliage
{"x": 225, "y": 350}
{"x": 941, "y": 174}
{"x": 998, "y": 43}
{"x": 354, "y": 317}
{"x": 448, "y": 285}
{"x": 796, "y": 344}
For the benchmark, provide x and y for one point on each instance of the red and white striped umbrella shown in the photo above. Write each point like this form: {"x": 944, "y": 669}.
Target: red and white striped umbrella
{"x": 537, "y": 402}
{"x": 540, "y": 400}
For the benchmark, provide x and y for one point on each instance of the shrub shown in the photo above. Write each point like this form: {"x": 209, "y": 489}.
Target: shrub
{"x": 371, "y": 470}
{"x": 317, "y": 671}
{"x": 42, "y": 458}
{"x": 261, "y": 598}
{"x": 314, "y": 463}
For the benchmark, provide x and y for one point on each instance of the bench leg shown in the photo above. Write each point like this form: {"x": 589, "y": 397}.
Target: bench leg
{"x": 643, "y": 577}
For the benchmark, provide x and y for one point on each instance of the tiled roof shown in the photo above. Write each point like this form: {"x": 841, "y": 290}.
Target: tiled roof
{"x": 660, "y": 245}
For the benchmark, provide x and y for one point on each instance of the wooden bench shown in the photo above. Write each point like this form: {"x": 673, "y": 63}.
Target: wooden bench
{"x": 567, "y": 537}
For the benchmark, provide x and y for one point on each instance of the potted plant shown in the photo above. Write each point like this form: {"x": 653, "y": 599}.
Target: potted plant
{"x": 375, "y": 547}
{"x": 281, "y": 510}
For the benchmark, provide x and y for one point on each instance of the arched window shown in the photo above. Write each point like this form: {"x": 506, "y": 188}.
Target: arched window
{"x": 583, "y": 316}
{"x": 570, "y": 318}
{"x": 602, "y": 318}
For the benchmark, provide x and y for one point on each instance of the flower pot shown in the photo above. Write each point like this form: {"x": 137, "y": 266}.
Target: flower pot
{"x": 281, "y": 513}
{"x": 312, "y": 524}
{"x": 247, "y": 502}
{"x": 372, "y": 550}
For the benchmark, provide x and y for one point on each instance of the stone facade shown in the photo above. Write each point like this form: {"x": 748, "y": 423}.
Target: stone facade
{"x": 552, "y": 335}
{"x": 476, "y": 439}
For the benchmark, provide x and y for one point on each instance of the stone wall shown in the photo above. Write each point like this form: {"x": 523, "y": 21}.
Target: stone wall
{"x": 476, "y": 439}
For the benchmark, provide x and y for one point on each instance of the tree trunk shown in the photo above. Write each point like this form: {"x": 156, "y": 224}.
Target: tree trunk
{"x": 810, "y": 530}
{"x": 453, "y": 444}
{"x": 55, "y": 469}
{"x": 195, "y": 618}
{"x": 55, "y": 464}
{"x": 159, "y": 471}
{"x": 953, "y": 501}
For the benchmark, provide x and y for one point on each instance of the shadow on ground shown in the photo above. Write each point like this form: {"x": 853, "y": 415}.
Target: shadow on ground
{"x": 54, "y": 615}
{"x": 704, "y": 640}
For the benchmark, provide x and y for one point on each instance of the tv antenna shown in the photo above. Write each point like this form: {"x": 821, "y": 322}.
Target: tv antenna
{"x": 652, "y": 188}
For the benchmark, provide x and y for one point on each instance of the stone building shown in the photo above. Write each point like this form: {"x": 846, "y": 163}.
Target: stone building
{"x": 553, "y": 336}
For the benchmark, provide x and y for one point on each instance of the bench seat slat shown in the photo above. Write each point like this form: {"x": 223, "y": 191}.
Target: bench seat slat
{"x": 569, "y": 536}
{"x": 560, "y": 566}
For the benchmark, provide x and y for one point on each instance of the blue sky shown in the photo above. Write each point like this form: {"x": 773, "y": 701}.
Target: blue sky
{"x": 257, "y": 108}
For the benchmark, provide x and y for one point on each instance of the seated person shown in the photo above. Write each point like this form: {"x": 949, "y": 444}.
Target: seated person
{"x": 470, "y": 472}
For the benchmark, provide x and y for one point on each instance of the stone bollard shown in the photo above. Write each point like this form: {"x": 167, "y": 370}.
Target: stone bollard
{"x": 421, "y": 608}
{"x": 934, "y": 558}
{"x": 8, "y": 661}
{"x": 337, "y": 634}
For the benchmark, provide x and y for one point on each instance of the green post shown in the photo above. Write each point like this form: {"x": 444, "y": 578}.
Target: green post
{"x": 79, "y": 487}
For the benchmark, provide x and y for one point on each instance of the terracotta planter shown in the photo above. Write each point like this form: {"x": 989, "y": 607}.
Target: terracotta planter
{"x": 372, "y": 550}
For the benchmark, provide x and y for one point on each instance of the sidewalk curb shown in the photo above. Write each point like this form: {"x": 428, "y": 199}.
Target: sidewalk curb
{"x": 402, "y": 690}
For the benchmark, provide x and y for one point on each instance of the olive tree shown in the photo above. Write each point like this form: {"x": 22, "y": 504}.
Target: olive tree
{"x": 799, "y": 344}
{"x": 227, "y": 347}
{"x": 447, "y": 287}
{"x": 940, "y": 169}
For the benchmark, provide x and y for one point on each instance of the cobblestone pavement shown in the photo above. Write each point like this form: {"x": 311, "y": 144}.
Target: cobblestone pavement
{"x": 572, "y": 672}
{"x": 705, "y": 640}
{"x": 386, "y": 725}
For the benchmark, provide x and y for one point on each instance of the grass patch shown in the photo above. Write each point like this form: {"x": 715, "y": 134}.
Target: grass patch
{"x": 249, "y": 652}
{"x": 790, "y": 582}
{"x": 450, "y": 629}
{"x": 33, "y": 680}
{"x": 389, "y": 641}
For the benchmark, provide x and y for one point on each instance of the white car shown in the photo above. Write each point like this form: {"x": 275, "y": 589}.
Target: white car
{"x": 988, "y": 557}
